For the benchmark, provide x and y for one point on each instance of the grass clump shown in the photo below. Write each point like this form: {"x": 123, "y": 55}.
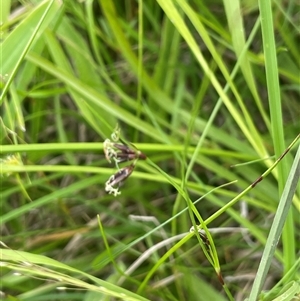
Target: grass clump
{"x": 206, "y": 96}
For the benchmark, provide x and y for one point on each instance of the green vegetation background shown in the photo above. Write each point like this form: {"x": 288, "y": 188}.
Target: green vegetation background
{"x": 208, "y": 90}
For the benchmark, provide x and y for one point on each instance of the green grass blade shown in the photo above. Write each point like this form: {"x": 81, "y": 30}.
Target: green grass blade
{"x": 17, "y": 44}
{"x": 277, "y": 226}
{"x": 276, "y": 118}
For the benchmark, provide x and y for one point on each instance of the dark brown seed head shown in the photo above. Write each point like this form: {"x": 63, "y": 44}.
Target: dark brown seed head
{"x": 142, "y": 156}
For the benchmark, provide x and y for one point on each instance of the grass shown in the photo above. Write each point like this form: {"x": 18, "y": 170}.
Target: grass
{"x": 208, "y": 91}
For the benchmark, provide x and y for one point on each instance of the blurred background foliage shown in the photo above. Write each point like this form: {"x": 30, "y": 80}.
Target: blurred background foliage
{"x": 197, "y": 87}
